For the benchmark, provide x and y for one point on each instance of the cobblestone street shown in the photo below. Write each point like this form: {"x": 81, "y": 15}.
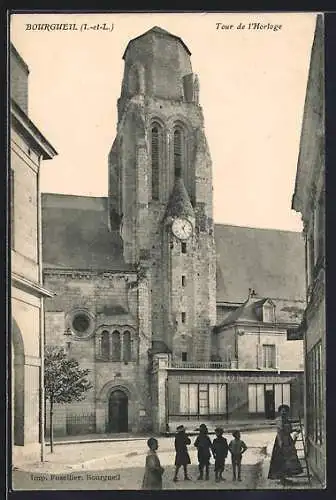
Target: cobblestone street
{"x": 120, "y": 465}
{"x": 126, "y": 478}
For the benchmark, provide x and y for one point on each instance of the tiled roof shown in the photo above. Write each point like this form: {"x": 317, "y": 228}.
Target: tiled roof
{"x": 75, "y": 234}
{"x": 246, "y": 312}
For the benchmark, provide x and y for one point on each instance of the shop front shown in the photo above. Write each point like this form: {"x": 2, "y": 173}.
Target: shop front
{"x": 227, "y": 396}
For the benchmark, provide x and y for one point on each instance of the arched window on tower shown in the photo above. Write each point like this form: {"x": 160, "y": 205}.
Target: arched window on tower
{"x": 156, "y": 154}
{"x": 105, "y": 344}
{"x": 127, "y": 347}
{"x": 116, "y": 346}
{"x": 178, "y": 152}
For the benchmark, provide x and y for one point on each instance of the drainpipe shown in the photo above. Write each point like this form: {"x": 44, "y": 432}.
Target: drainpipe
{"x": 42, "y": 332}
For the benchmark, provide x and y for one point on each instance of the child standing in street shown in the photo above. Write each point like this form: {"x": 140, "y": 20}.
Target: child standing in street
{"x": 237, "y": 447}
{"x": 204, "y": 448}
{"x": 153, "y": 471}
{"x": 182, "y": 456}
{"x": 220, "y": 451}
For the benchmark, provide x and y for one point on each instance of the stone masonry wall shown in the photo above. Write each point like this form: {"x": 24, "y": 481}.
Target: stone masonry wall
{"x": 111, "y": 302}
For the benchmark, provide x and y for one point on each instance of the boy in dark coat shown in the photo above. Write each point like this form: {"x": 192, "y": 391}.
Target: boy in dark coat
{"x": 182, "y": 456}
{"x": 204, "y": 449}
{"x": 237, "y": 447}
{"x": 220, "y": 451}
{"x": 152, "y": 479}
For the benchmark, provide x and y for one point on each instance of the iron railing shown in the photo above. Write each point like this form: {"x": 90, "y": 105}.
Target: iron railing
{"x": 226, "y": 365}
{"x": 81, "y": 424}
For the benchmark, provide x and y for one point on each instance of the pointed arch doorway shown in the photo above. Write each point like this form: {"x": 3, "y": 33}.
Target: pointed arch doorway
{"x": 117, "y": 412}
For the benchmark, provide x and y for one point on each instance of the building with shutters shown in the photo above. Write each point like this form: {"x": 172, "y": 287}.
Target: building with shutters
{"x": 152, "y": 296}
{"x": 309, "y": 200}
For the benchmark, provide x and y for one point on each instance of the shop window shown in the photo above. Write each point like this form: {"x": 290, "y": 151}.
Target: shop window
{"x": 256, "y": 398}
{"x": 203, "y": 399}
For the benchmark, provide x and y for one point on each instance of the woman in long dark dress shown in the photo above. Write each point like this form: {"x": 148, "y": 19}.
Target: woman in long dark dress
{"x": 182, "y": 457}
{"x": 284, "y": 460}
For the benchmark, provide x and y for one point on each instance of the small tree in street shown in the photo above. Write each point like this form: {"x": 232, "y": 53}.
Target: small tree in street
{"x": 64, "y": 381}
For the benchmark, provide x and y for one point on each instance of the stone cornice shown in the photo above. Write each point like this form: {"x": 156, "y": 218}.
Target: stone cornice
{"x": 88, "y": 274}
{"x": 27, "y": 127}
{"x": 31, "y": 286}
{"x": 279, "y": 327}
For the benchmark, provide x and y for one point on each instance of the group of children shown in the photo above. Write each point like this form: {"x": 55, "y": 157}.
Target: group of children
{"x": 219, "y": 449}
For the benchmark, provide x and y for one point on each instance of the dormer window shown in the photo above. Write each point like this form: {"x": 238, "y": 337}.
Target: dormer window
{"x": 268, "y": 315}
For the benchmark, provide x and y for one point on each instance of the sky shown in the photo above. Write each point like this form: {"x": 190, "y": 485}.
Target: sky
{"x": 252, "y": 91}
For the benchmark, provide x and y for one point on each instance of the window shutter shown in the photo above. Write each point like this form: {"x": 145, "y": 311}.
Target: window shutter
{"x": 259, "y": 356}
{"x": 277, "y": 358}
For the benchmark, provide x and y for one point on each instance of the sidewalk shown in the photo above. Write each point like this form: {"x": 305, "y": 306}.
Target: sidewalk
{"x": 96, "y": 455}
{"x": 98, "y": 438}
{"x": 228, "y": 427}
{"x": 263, "y": 483}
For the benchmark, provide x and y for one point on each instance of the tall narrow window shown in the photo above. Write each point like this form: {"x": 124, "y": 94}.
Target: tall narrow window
{"x": 105, "y": 344}
{"x": 178, "y": 146}
{"x": 183, "y": 317}
{"x": 320, "y": 225}
{"x": 184, "y": 356}
{"x": 127, "y": 347}
{"x": 183, "y": 281}
{"x": 184, "y": 247}
{"x": 116, "y": 347}
{"x": 156, "y": 139}
{"x": 12, "y": 207}
{"x": 269, "y": 356}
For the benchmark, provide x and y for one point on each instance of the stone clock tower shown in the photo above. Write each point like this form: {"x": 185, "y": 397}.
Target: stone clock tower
{"x": 160, "y": 192}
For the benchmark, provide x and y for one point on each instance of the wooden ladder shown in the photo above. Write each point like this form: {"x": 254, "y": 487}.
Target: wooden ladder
{"x": 298, "y": 427}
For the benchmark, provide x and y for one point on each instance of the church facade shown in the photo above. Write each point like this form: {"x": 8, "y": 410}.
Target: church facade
{"x": 151, "y": 295}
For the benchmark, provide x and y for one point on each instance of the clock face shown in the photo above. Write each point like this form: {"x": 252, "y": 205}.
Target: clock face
{"x": 182, "y": 228}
